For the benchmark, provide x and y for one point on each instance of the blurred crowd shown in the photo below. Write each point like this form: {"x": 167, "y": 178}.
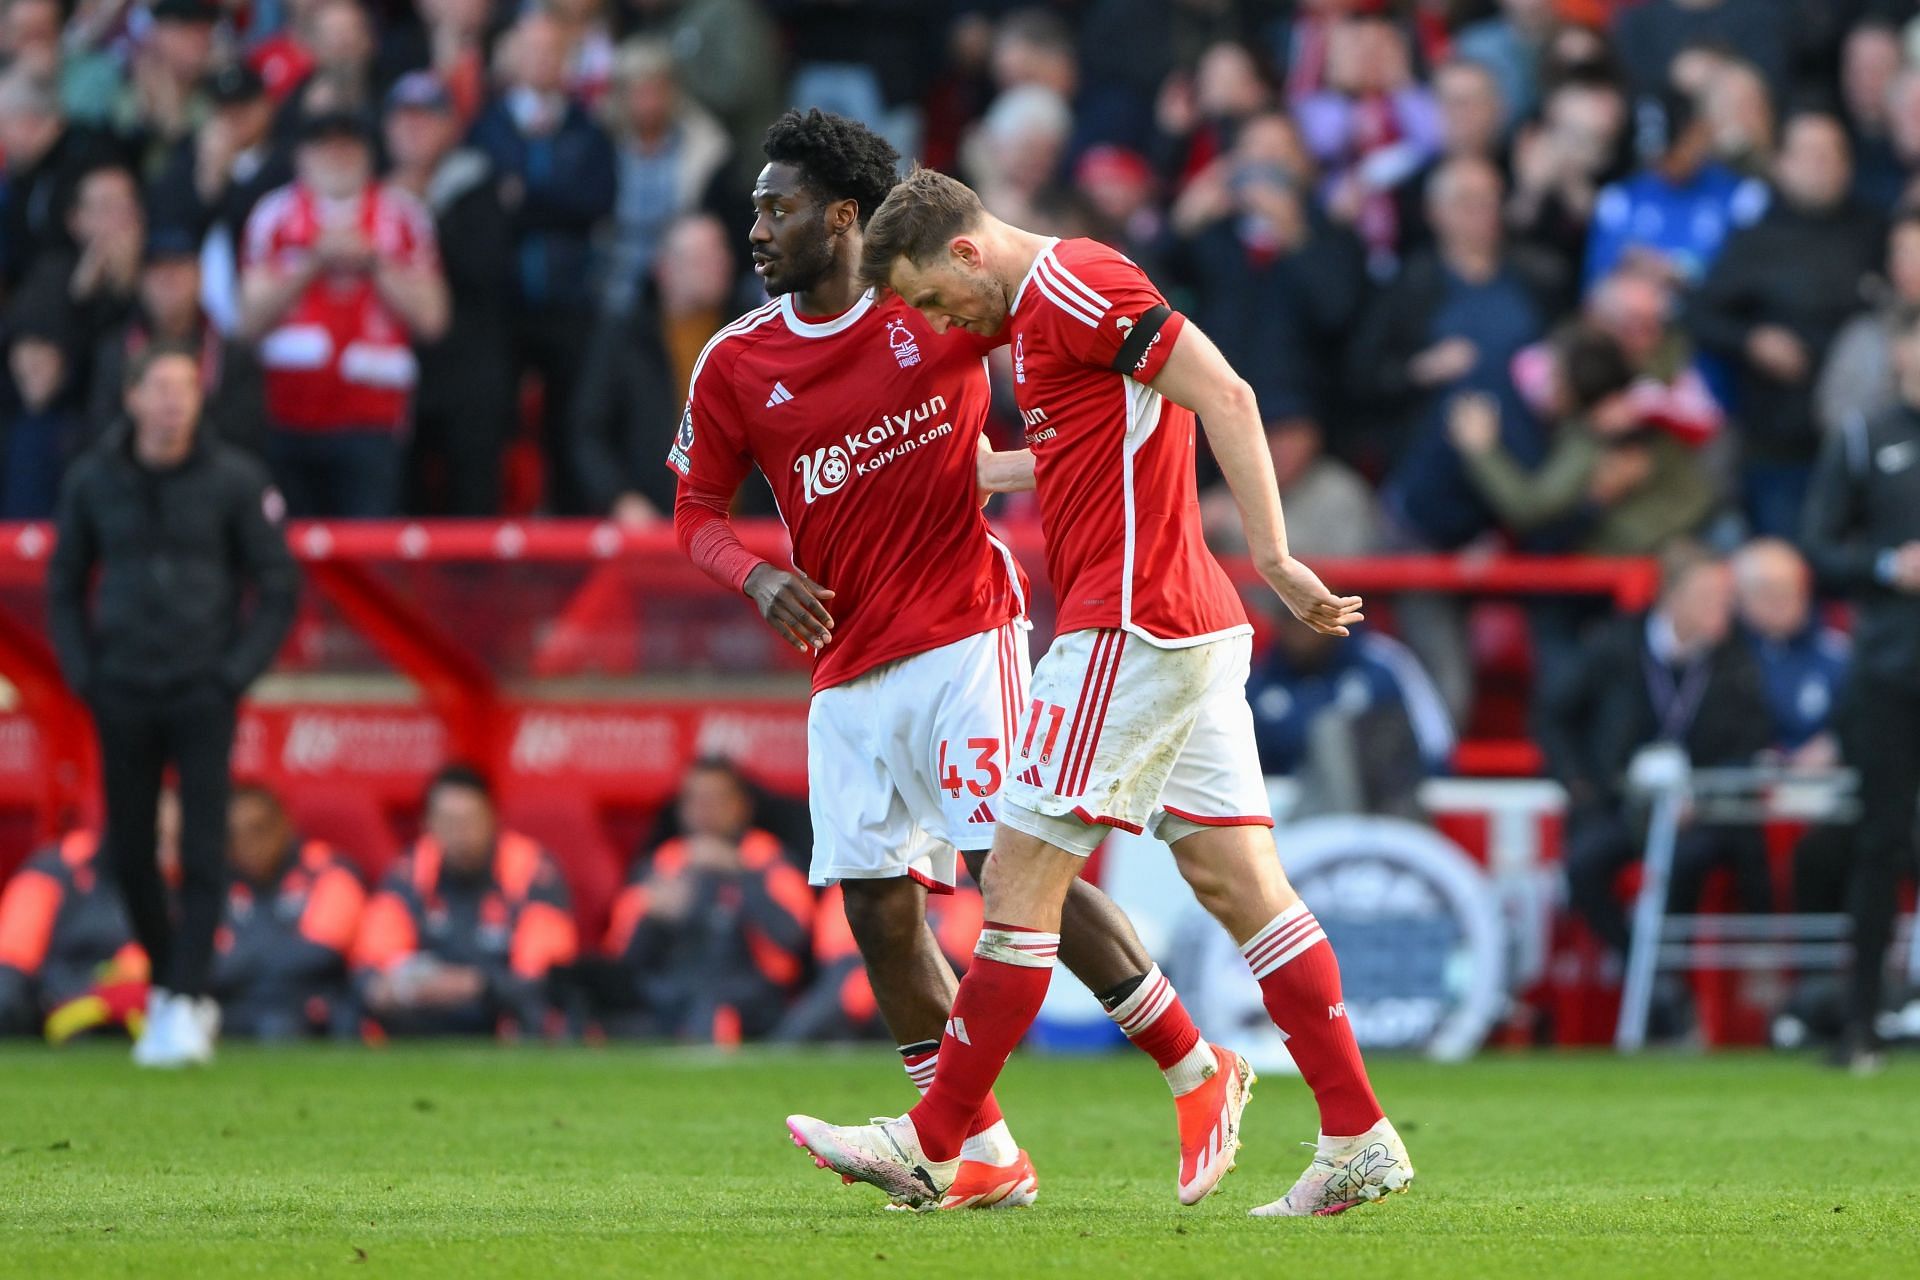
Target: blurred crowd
{"x": 1583, "y": 275}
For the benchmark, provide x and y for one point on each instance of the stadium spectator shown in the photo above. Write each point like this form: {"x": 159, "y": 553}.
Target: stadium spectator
{"x": 1672, "y": 677}
{"x": 1511, "y": 45}
{"x": 292, "y": 912}
{"x": 30, "y": 38}
{"x": 45, "y": 158}
{"x": 165, "y": 97}
{"x": 715, "y": 925}
{"x": 1198, "y": 118}
{"x": 338, "y": 274}
{"x": 463, "y": 414}
{"x": 1358, "y": 724}
{"x": 673, "y": 157}
{"x": 556, "y": 171}
{"x": 862, "y": 59}
{"x": 1676, "y": 213}
{"x": 214, "y": 178}
{"x": 169, "y": 591}
{"x": 454, "y": 47}
{"x": 1870, "y": 64}
{"x": 590, "y": 49}
{"x": 1371, "y": 130}
{"x": 1279, "y": 282}
{"x": 1473, "y": 122}
{"x": 88, "y": 291}
{"x": 1803, "y": 662}
{"x": 1772, "y": 305}
{"x": 1862, "y": 536}
{"x": 1014, "y": 155}
{"x": 1740, "y": 118}
{"x": 638, "y": 369}
{"x": 168, "y": 313}
{"x": 1614, "y": 483}
{"x": 1650, "y": 37}
{"x": 463, "y": 932}
{"x": 63, "y": 935}
{"x": 344, "y": 53}
{"x": 46, "y": 427}
{"x": 1638, "y": 310}
{"x": 284, "y": 59}
{"x": 1856, "y": 379}
{"x": 1562, "y": 162}
{"x": 838, "y": 1003}
{"x": 1330, "y": 510}
{"x": 1450, "y": 322}
{"x": 730, "y": 56}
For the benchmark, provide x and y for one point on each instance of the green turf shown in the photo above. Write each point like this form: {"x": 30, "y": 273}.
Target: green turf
{"x": 478, "y": 1162}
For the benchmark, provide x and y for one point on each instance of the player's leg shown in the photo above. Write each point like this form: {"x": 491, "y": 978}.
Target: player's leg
{"x": 1098, "y": 946}
{"x": 1214, "y": 815}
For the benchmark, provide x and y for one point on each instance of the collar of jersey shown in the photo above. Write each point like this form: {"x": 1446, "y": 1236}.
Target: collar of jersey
{"x": 825, "y": 328}
{"x": 1027, "y": 279}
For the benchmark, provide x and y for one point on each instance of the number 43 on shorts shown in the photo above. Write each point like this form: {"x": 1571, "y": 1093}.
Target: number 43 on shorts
{"x": 986, "y": 767}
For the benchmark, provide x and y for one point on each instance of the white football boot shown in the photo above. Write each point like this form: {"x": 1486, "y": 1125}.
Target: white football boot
{"x": 1346, "y": 1172}
{"x": 885, "y": 1154}
{"x": 199, "y": 1028}
{"x": 159, "y": 1042}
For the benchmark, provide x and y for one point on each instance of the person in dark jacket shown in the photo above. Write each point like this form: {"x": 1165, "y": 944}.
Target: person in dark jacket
{"x": 1675, "y": 676}
{"x": 713, "y": 930}
{"x": 464, "y": 411}
{"x": 556, "y": 173}
{"x": 163, "y": 536}
{"x": 1773, "y": 303}
{"x": 463, "y": 933}
{"x": 1279, "y": 283}
{"x": 45, "y": 157}
{"x": 293, "y": 909}
{"x": 63, "y": 933}
{"x": 1862, "y": 536}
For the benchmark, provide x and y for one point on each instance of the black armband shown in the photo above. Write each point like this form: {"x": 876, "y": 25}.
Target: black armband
{"x": 1140, "y": 338}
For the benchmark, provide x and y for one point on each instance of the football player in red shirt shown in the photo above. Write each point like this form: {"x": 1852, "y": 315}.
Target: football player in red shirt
{"x": 1138, "y": 717}
{"x": 867, "y": 423}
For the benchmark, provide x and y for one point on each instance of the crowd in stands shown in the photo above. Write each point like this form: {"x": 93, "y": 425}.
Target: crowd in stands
{"x": 458, "y": 257}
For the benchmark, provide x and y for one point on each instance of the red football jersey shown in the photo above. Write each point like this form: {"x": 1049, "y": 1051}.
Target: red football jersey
{"x": 866, "y": 426}
{"x": 1113, "y": 458}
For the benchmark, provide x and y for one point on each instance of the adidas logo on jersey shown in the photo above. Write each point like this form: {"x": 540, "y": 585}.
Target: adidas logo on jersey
{"x": 780, "y": 395}
{"x": 981, "y": 813}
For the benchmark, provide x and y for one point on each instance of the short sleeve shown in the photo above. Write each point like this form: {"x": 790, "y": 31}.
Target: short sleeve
{"x": 708, "y": 450}
{"x": 1109, "y": 315}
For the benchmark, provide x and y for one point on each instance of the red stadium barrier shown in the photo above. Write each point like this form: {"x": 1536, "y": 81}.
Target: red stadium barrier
{"x": 581, "y": 664}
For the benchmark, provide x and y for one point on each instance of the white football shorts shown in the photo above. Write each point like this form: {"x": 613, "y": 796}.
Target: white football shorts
{"x": 1121, "y": 733}
{"x": 905, "y": 763}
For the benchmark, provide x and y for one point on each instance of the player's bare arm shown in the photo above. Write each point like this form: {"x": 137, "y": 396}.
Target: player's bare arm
{"x": 793, "y": 604}
{"x": 1198, "y": 377}
{"x": 1005, "y": 470}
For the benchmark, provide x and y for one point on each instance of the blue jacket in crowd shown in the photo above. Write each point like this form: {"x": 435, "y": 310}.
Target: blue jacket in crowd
{"x": 569, "y": 181}
{"x": 1369, "y": 671}
{"x": 1802, "y": 677}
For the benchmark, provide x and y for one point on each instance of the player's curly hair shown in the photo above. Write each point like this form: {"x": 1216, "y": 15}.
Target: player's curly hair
{"x": 838, "y": 159}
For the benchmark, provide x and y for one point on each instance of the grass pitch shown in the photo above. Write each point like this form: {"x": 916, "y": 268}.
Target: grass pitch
{"x": 480, "y": 1162}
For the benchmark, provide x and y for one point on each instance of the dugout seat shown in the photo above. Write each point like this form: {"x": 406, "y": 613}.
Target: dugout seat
{"x": 568, "y": 828}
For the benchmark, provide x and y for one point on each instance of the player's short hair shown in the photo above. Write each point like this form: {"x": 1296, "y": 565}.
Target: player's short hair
{"x": 916, "y": 222}
{"x": 838, "y": 158}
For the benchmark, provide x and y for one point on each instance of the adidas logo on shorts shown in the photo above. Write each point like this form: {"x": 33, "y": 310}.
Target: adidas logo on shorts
{"x": 981, "y": 814}
{"x": 1032, "y": 776}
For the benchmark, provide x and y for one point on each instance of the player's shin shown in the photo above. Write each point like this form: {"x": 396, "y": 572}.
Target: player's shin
{"x": 999, "y": 999}
{"x": 1300, "y": 985}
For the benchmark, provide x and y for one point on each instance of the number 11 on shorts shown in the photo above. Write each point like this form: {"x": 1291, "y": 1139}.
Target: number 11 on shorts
{"x": 1054, "y": 716}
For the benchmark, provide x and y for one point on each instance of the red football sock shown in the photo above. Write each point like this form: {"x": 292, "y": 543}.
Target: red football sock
{"x": 922, "y": 1059}
{"x": 1300, "y": 983}
{"x": 999, "y": 999}
{"x": 1155, "y": 1020}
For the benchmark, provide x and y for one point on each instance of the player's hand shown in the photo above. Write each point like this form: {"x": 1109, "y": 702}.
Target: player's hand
{"x": 794, "y": 605}
{"x": 1302, "y": 591}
